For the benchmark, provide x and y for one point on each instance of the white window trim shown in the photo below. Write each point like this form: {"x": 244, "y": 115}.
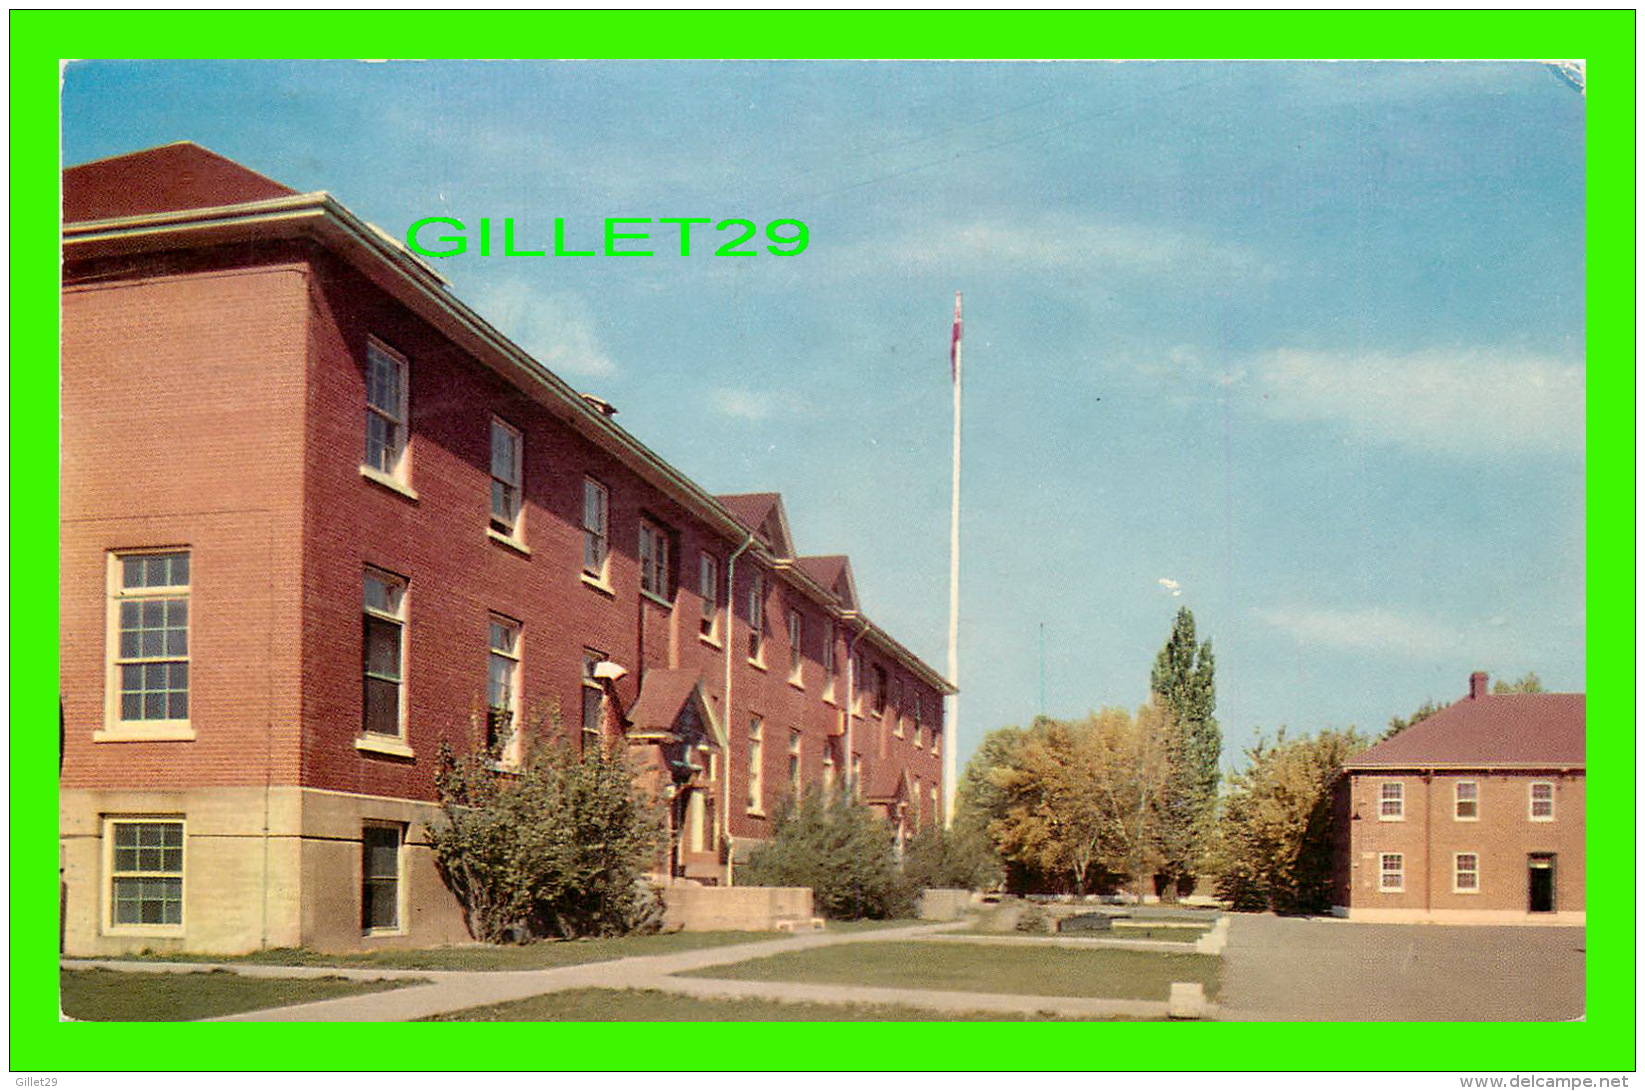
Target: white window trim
{"x": 400, "y": 418}
{"x": 1457, "y": 873}
{"x": 398, "y": 744}
{"x": 109, "y": 927}
{"x": 1383, "y": 871}
{"x": 796, "y": 649}
{"x": 1530, "y": 801}
{"x": 588, "y": 683}
{"x": 796, "y": 755}
{"x": 115, "y": 729}
{"x": 754, "y": 606}
{"x": 705, "y": 563}
{"x": 756, "y": 767}
{"x": 400, "y": 884}
{"x": 663, "y": 543}
{"x": 511, "y": 530}
{"x": 513, "y": 751}
{"x": 1457, "y": 801}
{"x": 597, "y": 577}
{"x": 830, "y": 661}
{"x": 1382, "y": 816}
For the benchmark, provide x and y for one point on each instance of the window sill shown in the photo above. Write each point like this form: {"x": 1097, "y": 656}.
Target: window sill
{"x": 1390, "y": 818}
{"x": 382, "y": 933}
{"x": 1534, "y": 818}
{"x": 180, "y": 732}
{"x": 656, "y": 598}
{"x": 1463, "y": 818}
{"x": 710, "y": 641}
{"x": 371, "y": 473}
{"x": 382, "y": 744}
{"x": 756, "y": 814}
{"x": 797, "y": 684}
{"x": 504, "y": 540}
{"x": 1465, "y": 893}
{"x": 174, "y": 931}
{"x": 756, "y": 664}
{"x": 597, "y": 584}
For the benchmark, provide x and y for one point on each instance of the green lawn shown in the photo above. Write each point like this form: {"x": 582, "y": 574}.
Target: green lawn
{"x": 649, "y": 1005}
{"x": 873, "y": 926}
{"x": 981, "y": 967}
{"x": 531, "y": 956}
{"x": 118, "y": 996}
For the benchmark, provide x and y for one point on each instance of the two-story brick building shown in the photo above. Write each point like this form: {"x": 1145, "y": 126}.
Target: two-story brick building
{"x": 1473, "y": 815}
{"x": 318, "y": 516}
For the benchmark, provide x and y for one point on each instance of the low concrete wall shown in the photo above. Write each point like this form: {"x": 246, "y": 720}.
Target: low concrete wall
{"x": 944, "y": 904}
{"x": 734, "y": 908}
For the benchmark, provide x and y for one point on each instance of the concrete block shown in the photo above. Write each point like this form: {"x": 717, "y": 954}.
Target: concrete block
{"x": 1187, "y": 1000}
{"x": 944, "y": 904}
{"x": 734, "y": 908}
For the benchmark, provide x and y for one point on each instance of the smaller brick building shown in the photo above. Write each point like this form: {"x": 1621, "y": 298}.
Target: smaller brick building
{"x": 1475, "y": 815}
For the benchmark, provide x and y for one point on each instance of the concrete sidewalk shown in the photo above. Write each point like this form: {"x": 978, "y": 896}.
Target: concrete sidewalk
{"x": 451, "y": 991}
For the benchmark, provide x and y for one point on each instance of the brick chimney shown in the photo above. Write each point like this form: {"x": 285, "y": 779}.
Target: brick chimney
{"x": 1478, "y": 683}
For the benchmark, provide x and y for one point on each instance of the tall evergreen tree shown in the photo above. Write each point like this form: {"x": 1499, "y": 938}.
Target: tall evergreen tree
{"x": 1184, "y": 682}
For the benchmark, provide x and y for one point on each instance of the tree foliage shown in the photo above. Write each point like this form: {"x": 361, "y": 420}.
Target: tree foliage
{"x": 1400, "y": 723}
{"x": 554, "y": 850}
{"x": 1530, "y": 683}
{"x": 1076, "y": 798}
{"x": 1276, "y": 836}
{"x": 960, "y": 857}
{"x": 1184, "y": 683}
{"x": 839, "y": 848}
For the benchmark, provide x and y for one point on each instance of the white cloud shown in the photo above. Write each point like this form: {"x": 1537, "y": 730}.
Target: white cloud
{"x": 1171, "y": 585}
{"x": 1374, "y": 630}
{"x": 1471, "y": 402}
{"x": 1058, "y": 247}
{"x": 743, "y": 404}
{"x": 556, "y": 328}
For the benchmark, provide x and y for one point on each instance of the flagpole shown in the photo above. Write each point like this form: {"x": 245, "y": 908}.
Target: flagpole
{"x": 950, "y": 723}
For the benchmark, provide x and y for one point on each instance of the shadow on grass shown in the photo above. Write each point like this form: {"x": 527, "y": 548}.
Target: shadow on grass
{"x": 121, "y": 997}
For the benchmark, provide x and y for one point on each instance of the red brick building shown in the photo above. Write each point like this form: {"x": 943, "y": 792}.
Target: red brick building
{"x": 318, "y": 515}
{"x": 1473, "y": 815}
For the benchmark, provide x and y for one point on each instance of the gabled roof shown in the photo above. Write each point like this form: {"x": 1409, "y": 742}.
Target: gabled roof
{"x": 669, "y": 702}
{"x": 762, "y": 513}
{"x": 890, "y": 786}
{"x": 165, "y": 179}
{"x": 1502, "y": 731}
{"x": 833, "y": 574}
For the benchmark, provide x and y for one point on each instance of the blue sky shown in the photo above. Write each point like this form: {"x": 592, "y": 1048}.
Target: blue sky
{"x": 1305, "y": 340}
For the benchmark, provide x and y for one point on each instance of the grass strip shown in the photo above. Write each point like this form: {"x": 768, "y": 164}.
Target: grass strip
{"x": 120, "y": 997}
{"x": 650, "y": 1005}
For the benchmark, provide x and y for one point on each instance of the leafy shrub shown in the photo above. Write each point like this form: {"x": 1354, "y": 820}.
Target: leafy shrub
{"x": 959, "y": 858}
{"x": 554, "y": 850}
{"x": 840, "y": 849}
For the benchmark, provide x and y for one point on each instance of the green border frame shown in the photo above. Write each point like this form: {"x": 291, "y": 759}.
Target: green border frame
{"x": 1605, "y": 39}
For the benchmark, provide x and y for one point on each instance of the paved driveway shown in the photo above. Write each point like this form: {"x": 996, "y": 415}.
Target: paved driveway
{"x": 1309, "y": 969}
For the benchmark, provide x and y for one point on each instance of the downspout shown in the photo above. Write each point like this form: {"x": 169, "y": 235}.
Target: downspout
{"x": 730, "y": 655}
{"x": 1428, "y": 843}
{"x": 851, "y": 704}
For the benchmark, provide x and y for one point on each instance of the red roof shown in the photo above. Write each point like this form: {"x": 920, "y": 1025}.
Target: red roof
{"x": 750, "y": 508}
{"x": 1504, "y": 731}
{"x": 166, "y": 179}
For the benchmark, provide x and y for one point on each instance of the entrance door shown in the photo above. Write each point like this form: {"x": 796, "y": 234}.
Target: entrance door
{"x": 1542, "y": 882}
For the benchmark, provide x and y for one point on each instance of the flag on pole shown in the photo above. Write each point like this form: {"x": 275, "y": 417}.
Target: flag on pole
{"x": 954, "y": 343}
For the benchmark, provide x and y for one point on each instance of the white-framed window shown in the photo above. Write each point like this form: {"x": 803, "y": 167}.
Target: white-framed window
{"x": 898, "y": 707}
{"x": 384, "y": 655}
{"x": 596, "y": 528}
{"x": 145, "y": 868}
{"x": 708, "y": 589}
{"x": 1542, "y": 801}
{"x": 593, "y": 717}
{"x": 756, "y": 766}
{"x": 1465, "y": 873}
{"x": 936, "y": 815}
{"x": 507, "y": 476}
{"x": 795, "y": 779}
{"x": 387, "y": 392}
{"x": 654, "y": 561}
{"x": 828, "y": 767}
{"x": 830, "y": 659}
{"x": 919, "y": 714}
{"x": 796, "y": 648}
{"x": 1391, "y": 801}
{"x": 149, "y": 630}
{"x": 503, "y": 689}
{"x": 756, "y": 618}
{"x": 880, "y": 687}
{"x": 856, "y": 776}
{"x": 1392, "y": 879}
{"x": 859, "y": 682}
{"x": 1467, "y": 801}
{"x": 936, "y": 741}
{"x": 381, "y": 846}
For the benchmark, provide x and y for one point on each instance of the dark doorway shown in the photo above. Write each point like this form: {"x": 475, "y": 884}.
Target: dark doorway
{"x": 1542, "y": 882}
